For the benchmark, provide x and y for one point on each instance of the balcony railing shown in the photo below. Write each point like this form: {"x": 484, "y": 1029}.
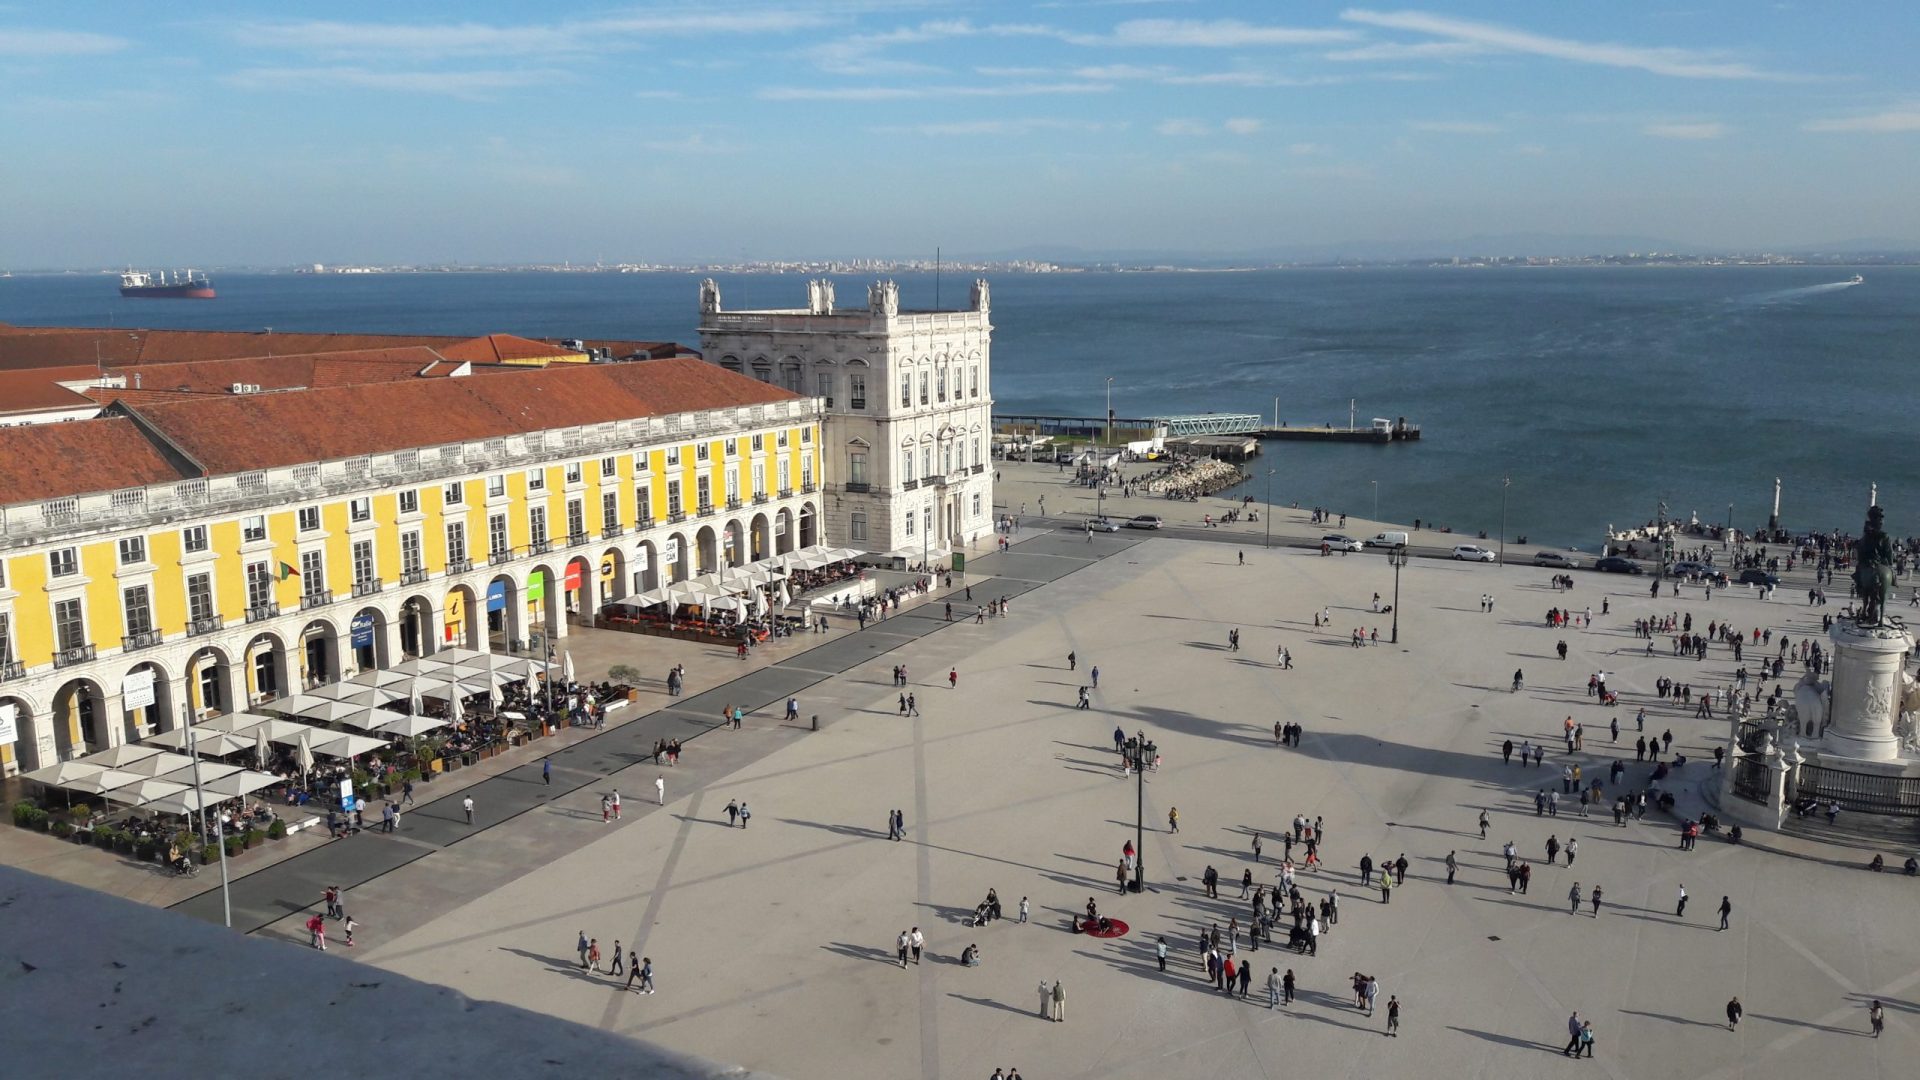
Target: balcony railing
{"x": 261, "y": 612}
{"x": 459, "y": 566}
{"x": 786, "y": 493}
{"x": 675, "y": 517}
{"x": 706, "y": 509}
{"x": 318, "y": 599}
{"x": 14, "y": 670}
{"x": 146, "y": 639}
{"x": 539, "y": 547}
{"x": 502, "y": 555}
{"x": 367, "y": 588}
{"x": 761, "y": 498}
{"x": 413, "y": 577}
{"x": 909, "y": 485}
{"x": 196, "y": 627}
{"x": 575, "y": 539}
{"x": 734, "y": 503}
{"x": 807, "y": 489}
{"x": 857, "y": 487}
{"x": 978, "y": 469}
{"x": 78, "y": 655}
{"x": 646, "y": 522}
{"x": 612, "y": 531}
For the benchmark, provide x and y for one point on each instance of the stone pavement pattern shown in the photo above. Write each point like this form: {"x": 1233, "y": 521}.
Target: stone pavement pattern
{"x": 773, "y": 944}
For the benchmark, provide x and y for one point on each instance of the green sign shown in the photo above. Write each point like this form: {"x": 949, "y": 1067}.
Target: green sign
{"x": 959, "y": 562}
{"x": 537, "y": 586}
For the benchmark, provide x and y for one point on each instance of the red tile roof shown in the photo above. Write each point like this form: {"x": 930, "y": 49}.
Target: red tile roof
{"x": 44, "y": 346}
{"x": 237, "y": 433}
{"x": 53, "y": 461}
{"x": 39, "y": 389}
{"x": 501, "y": 348}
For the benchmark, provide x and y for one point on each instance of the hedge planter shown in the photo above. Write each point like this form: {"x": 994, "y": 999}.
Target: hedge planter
{"x": 235, "y": 846}
{"x": 62, "y": 829}
{"x": 277, "y": 831}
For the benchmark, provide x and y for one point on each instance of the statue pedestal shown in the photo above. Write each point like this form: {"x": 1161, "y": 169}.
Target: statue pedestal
{"x": 1867, "y": 666}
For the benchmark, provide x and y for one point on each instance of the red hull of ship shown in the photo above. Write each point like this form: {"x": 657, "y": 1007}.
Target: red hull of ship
{"x": 167, "y": 292}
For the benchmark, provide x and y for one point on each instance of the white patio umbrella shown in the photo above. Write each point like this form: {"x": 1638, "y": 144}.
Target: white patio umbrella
{"x": 303, "y": 752}
{"x": 99, "y": 783}
{"x": 412, "y": 726}
{"x": 65, "y": 774}
{"x": 237, "y": 783}
{"x": 378, "y": 677}
{"x": 366, "y": 719}
{"x": 566, "y": 667}
{"x": 206, "y": 743}
{"x": 786, "y": 596}
{"x": 330, "y": 711}
{"x": 122, "y": 755}
{"x": 455, "y": 713}
{"x": 462, "y": 655}
{"x": 210, "y": 770}
{"x": 341, "y": 745}
{"x": 158, "y": 764}
{"x": 260, "y": 746}
{"x": 145, "y": 790}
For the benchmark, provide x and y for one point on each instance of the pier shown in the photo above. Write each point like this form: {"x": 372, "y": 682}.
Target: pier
{"x": 1201, "y": 425}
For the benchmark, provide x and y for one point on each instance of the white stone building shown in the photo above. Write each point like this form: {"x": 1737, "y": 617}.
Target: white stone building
{"x": 908, "y": 409}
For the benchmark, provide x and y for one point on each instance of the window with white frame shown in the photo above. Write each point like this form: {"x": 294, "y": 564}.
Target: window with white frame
{"x": 976, "y": 450}
{"x": 497, "y": 546}
{"x": 733, "y": 481}
{"x": 703, "y": 489}
{"x": 63, "y": 562}
{"x": 199, "y": 597}
{"x": 857, "y": 466}
{"x": 673, "y": 455}
{"x": 806, "y": 435}
{"x": 781, "y": 439}
{"x": 926, "y": 460}
{"x": 6, "y": 640}
{"x": 364, "y": 570}
{"x": 733, "y": 447}
{"x": 924, "y": 380}
{"x": 609, "y": 469}
{"x": 454, "y": 494}
{"x": 946, "y": 455}
{"x": 823, "y": 385}
{"x": 576, "y": 518}
{"x": 313, "y": 572}
{"x": 943, "y": 382}
{"x": 360, "y": 509}
{"x": 906, "y": 389}
{"x": 497, "y": 486}
{"x": 806, "y": 469}
{"x": 456, "y": 542}
{"x": 856, "y": 391}
{"x": 410, "y": 501}
{"x": 411, "y": 561}
{"x": 133, "y": 550}
{"x": 906, "y": 465}
{"x": 537, "y": 524}
{"x": 973, "y": 380}
{"x": 253, "y": 528}
{"x": 573, "y": 472}
{"x": 536, "y": 479}
{"x": 976, "y": 504}
{"x": 702, "y": 450}
{"x": 193, "y": 539}
{"x": 259, "y": 586}
{"x": 908, "y": 517}
{"x": 308, "y": 519}
{"x": 857, "y": 527}
{"x": 760, "y": 477}
{"x": 69, "y": 625}
{"x": 673, "y": 497}
{"x": 136, "y": 602}
{"x": 759, "y": 443}
{"x": 643, "y": 502}
{"x": 609, "y": 509}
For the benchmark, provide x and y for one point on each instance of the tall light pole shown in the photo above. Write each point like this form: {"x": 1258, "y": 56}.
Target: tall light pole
{"x": 200, "y": 797}
{"x": 1397, "y": 555}
{"x": 1376, "y": 499}
{"x": 1505, "y": 483}
{"x": 1109, "y": 410}
{"x": 1269, "y": 522}
{"x": 1141, "y": 755}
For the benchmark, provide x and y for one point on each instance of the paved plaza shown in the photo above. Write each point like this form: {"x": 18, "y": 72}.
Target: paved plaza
{"x": 773, "y": 944}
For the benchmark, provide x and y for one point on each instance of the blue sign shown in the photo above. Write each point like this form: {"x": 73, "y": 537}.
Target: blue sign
{"x": 497, "y": 596}
{"x": 362, "y": 628}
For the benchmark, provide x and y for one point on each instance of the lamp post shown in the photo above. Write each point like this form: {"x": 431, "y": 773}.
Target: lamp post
{"x": 1269, "y": 523}
{"x": 549, "y": 679}
{"x": 200, "y": 797}
{"x": 1109, "y": 410}
{"x": 1142, "y": 753}
{"x": 1376, "y": 499}
{"x": 1505, "y": 483}
{"x": 1397, "y": 555}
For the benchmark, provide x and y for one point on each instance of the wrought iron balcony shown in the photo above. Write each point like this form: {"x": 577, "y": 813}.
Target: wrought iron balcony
{"x": 612, "y": 531}
{"x": 978, "y": 469}
{"x": 857, "y": 403}
{"x": 68, "y": 657}
{"x": 909, "y": 485}
{"x": 539, "y": 547}
{"x": 761, "y": 498}
{"x": 316, "y": 599}
{"x": 706, "y": 509}
{"x": 646, "y": 522}
{"x": 368, "y": 588}
{"x": 675, "y": 517}
{"x": 196, "y": 627}
{"x": 786, "y": 493}
{"x": 260, "y": 612}
{"x": 14, "y": 670}
{"x": 575, "y": 539}
{"x": 857, "y": 487}
{"x": 734, "y": 503}
{"x": 459, "y": 566}
{"x": 807, "y": 489}
{"x": 413, "y": 577}
{"x": 146, "y": 639}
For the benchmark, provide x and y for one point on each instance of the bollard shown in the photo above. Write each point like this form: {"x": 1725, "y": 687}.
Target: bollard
{"x": 816, "y": 721}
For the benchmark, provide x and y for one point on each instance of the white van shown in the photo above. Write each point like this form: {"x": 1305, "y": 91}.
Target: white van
{"x": 1388, "y": 540}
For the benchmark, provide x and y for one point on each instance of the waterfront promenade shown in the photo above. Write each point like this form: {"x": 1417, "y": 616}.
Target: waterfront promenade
{"x": 773, "y": 944}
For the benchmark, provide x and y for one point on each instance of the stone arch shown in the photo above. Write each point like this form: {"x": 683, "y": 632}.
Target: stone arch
{"x": 783, "y": 533}
{"x": 209, "y": 679}
{"x": 733, "y": 543}
{"x": 577, "y": 587}
{"x": 610, "y": 577}
{"x": 541, "y": 611}
{"x": 143, "y": 720}
{"x": 416, "y": 623}
{"x": 760, "y": 532}
{"x": 367, "y": 639}
{"x": 706, "y": 548}
{"x": 502, "y": 613}
{"x": 28, "y": 754}
{"x": 679, "y": 558}
{"x": 79, "y": 718}
{"x": 460, "y": 619}
{"x": 319, "y": 652}
{"x": 264, "y": 670}
{"x": 809, "y": 524}
{"x": 646, "y": 561}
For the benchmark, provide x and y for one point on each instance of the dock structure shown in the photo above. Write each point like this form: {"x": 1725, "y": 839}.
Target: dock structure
{"x": 1224, "y": 447}
{"x": 1380, "y": 430}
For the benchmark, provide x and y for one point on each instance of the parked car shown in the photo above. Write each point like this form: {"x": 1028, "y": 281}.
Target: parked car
{"x": 1472, "y": 553}
{"x": 1341, "y": 542}
{"x": 1388, "y": 539}
{"x": 1697, "y": 571}
{"x": 1614, "y": 564}
{"x": 1103, "y": 525}
{"x": 1555, "y": 560}
{"x": 1145, "y": 521}
{"x": 1757, "y": 576}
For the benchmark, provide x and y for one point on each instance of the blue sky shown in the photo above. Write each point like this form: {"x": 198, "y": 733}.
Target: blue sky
{"x": 216, "y": 133}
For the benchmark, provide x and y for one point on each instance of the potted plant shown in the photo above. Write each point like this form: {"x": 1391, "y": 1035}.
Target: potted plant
{"x": 63, "y": 829}
{"x": 23, "y": 812}
{"x": 41, "y": 819}
{"x": 144, "y": 848}
{"x": 123, "y": 841}
{"x": 209, "y": 853}
{"x": 234, "y": 847}
{"x": 252, "y": 838}
{"x": 277, "y": 830}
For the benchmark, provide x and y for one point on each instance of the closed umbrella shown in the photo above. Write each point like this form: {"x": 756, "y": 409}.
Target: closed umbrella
{"x": 303, "y": 750}
{"x": 566, "y": 668}
{"x": 260, "y": 747}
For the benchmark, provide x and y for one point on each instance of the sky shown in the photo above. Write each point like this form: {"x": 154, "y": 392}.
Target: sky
{"x": 217, "y": 134}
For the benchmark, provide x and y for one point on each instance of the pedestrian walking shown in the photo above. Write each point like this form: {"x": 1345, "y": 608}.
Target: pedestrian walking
{"x": 1046, "y": 1000}
{"x": 1173, "y": 819}
{"x": 1393, "y": 1017}
{"x": 546, "y": 770}
{"x": 1256, "y": 849}
{"x": 1286, "y": 988}
{"x": 953, "y": 678}
{"x": 660, "y": 789}
{"x": 1573, "y": 1036}
{"x": 646, "y": 975}
{"x": 901, "y": 946}
{"x": 1596, "y": 901}
{"x": 1453, "y": 865}
{"x": 746, "y": 815}
{"x": 1574, "y": 896}
{"x": 918, "y": 941}
{"x": 1023, "y": 911}
{"x": 1876, "y": 1018}
{"x": 1273, "y": 988}
{"x": 1726, "y": 912}
{"x": 1059, "y": 1001}
{"x": 1680, "y": 910}
{"x": 349, "y": 925}
{"x": 466, "y": 804}
{"x": 618, "y": 967}
{"x": 1159, "y": 949}
{"x": 1483, "y": 824}
{"x": 406, "y": 793}
{"x": 593, "y": 955}
{"x": 1734, "y": 1012}
{"x": 616, "y": 804}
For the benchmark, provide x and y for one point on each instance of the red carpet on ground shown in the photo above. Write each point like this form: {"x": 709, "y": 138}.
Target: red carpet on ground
{"x": 1115, "y": 928}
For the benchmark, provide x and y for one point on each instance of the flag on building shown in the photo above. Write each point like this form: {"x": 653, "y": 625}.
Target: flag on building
{"x": 287, "y": 571}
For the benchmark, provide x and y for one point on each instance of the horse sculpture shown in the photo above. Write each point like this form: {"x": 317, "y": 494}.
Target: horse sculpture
{"x": 1873, "y": 570}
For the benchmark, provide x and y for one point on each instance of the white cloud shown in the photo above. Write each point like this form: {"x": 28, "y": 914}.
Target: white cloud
{"x": 42, "y": 43}
{"x": 1660, "y": 60}
{"x": 1210, "y": 34}
{"x": 859, "y": 54}
{"x": 1018, "y": 126}
{"x": 908, "y": 93}
{"x": 1893, "y": 121}
{"x": 462, "y": 84}
{"x": 1243, "y": 125}
{"x": 1182, "y": 128}
{"x": 428, "y": 41}
{"x": 1455, "y": 127}
{"x": 1685, "y": 131}
{"x": 1419, "y": 50}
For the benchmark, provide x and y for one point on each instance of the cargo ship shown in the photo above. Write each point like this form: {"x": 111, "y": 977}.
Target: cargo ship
{"x": 165, "y": 285}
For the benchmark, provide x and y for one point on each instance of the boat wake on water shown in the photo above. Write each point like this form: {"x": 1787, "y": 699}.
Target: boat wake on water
{"x": 1785, "y": 296}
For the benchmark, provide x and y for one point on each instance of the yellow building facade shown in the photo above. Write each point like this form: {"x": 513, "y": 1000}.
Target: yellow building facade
{"x": 120, "y": 608}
